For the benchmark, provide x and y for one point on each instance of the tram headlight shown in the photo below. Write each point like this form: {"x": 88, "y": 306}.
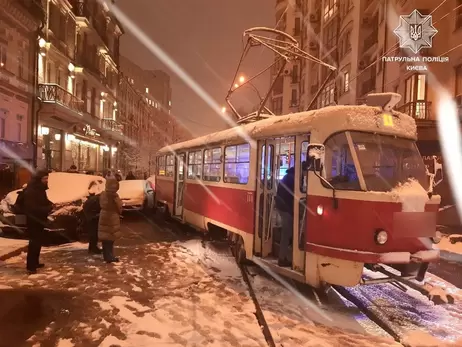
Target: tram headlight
{"x": 381, "y": 237}
{"x": 320, "y": 210}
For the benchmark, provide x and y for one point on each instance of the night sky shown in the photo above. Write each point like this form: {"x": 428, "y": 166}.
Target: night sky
{"x": 205, "y": 38}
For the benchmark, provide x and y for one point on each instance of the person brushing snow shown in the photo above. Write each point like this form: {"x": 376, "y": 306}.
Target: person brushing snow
{"x": 109, "y": 219}
{"x": 36, "y": 207}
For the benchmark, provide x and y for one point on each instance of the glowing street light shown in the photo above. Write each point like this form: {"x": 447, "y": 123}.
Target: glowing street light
{"x": 223, "y": 109}
{"x": 236, "y": 85}
{"x": 241, "y": 79}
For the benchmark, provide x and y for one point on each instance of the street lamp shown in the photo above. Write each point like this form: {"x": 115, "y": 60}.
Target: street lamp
{"x": 241, "y": 79}
{"x": 223, "y": 109}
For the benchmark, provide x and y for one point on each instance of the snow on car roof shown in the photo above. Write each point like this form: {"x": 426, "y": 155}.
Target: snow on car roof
{"x": 131, "y": 188}
{"x": 64, "y": 187}
{"x": 325, "y": 121}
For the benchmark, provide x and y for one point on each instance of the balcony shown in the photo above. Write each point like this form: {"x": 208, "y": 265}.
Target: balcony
{"x": 34, "y": 7}
{"x": 417, "y": 109}
{"x": 110, "y": 124}
{"x": 61, "y": 100}
{"x": 82, "y": 13}
{"x": 371, "y": 40}
{"x": 368, "y": 86}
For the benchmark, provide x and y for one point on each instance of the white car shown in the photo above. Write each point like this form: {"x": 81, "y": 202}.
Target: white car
{"x": 136, "y": 195}
{"x": 67, "y": 191}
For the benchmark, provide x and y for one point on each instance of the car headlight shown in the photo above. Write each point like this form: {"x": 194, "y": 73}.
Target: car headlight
{"x": 437, "y": 238}
{"x": 381, "y": 237}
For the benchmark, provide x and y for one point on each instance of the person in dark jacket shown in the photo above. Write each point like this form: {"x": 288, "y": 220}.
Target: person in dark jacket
{"x": 285, "y": 205}
{"x": 130, "y": 176}
{"x": 91, "y": 211}
{"x": 37, "y": 207}
{"x": 118, "y": 176}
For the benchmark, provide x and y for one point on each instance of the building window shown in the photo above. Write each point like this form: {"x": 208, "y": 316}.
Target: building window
{"x": 459, "y": 14}
{"x": 294, "y": 98}
{"x": 327, "y": 96}
{"x": 147, "y": 90}
{"x": 415, "y": 88}
{"x": 3, "y": 54}
{"x": 330, "y": 7}
{"x": 19, "y": 129}
{"x": 195, "y": 164}
{"x": 347, "y": 43}
{"x": 2, "y": 127}
{"x": 330, "y": 35}
{"x": 161, "y": 166}
{"x": 277, "y": 105}
{"x": 212, "y": 165}
{"x": 21, "y": 73}
{"x": 170, "y": 165}
{"x": 458, "y": 80}
{"x": 346, "y": 82}
{"x": 415, "y": 96}
{"x": 297, "y": 27}
{"x": 237, "y": 164}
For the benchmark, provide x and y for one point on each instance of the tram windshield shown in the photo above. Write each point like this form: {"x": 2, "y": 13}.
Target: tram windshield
{"x": 387, "y": 161}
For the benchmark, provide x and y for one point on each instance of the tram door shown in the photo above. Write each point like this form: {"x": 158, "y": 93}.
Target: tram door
{"x": 179, "y": 184}
{"x": 265, "y": 198}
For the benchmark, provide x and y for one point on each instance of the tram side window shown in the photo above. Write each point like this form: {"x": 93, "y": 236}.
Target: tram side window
{"x": 212, "y": 165}
{"x": 161, "y": 166}
{"x": 237, "y": 164}
{"x": 170, "y": 165}
{"x": 339, "y": 167}
{"x": 195, "y": 164}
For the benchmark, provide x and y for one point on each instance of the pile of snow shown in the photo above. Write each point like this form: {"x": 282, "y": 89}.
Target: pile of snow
{"x": 316, "y": 153}
{"x": 131, "y": 189}
{"x": 412, "y": 195}
{"x": 68, "y": 187}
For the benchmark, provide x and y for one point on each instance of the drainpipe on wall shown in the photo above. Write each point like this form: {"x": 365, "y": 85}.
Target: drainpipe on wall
{"x": 35, "y": 100}
{"x": 384, "y": 47}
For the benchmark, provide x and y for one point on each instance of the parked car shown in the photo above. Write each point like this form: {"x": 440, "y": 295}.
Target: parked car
{"x": 136, "y": 195}
{"x": 68, "y": 192}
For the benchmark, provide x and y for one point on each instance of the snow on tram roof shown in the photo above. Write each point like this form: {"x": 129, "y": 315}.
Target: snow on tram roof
{"x": 354, "y": 117}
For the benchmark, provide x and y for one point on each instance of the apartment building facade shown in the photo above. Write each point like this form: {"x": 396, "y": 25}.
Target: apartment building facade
{"x": 354, "y": 35}
{"x": 78, "y": 68}
{"x": 289, "y": 86}
{"x": 148, "y": 113}
{"x": 19, "y": 23}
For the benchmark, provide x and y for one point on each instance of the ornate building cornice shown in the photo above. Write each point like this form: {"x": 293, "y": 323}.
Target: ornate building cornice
{"x": 27, "y": 14}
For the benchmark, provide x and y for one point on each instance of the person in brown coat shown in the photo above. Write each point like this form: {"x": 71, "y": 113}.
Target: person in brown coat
{"x": 109, "y": 219}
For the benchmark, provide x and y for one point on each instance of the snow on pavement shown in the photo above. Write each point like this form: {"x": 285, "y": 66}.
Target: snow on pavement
{"x": 165, "y": 294}
{"x": 10, "y": 245}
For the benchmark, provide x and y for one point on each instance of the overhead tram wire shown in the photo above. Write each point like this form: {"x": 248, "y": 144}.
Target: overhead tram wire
{"x": 397, "y": 44}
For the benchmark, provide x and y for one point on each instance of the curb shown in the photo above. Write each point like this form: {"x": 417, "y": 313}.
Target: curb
{"x": 13, "y": 253}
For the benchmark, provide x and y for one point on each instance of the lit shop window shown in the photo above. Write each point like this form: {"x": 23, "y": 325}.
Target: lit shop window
{"x": 212, "y": 165}
{"x": 237, "y": 164}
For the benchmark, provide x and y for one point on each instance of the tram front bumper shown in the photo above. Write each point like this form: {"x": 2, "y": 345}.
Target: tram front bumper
{"x": 425, "y": 256}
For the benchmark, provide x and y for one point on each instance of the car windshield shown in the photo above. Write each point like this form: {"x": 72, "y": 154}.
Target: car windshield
{"x": 387, "y": 161}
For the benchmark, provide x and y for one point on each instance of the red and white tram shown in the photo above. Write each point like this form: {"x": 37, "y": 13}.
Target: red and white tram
{"x": 363, "y": 202}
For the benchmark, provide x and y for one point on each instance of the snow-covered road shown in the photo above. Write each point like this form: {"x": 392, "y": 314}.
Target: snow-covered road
{"x": 187, "y": 293}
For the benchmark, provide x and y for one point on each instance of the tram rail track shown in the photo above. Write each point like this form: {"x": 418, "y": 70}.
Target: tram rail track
{"x": 246, "y": 273}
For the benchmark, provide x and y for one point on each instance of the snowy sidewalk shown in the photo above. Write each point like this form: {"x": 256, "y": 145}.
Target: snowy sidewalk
{"x": 159, "y": 295}
{"x": 10, "y": 248}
